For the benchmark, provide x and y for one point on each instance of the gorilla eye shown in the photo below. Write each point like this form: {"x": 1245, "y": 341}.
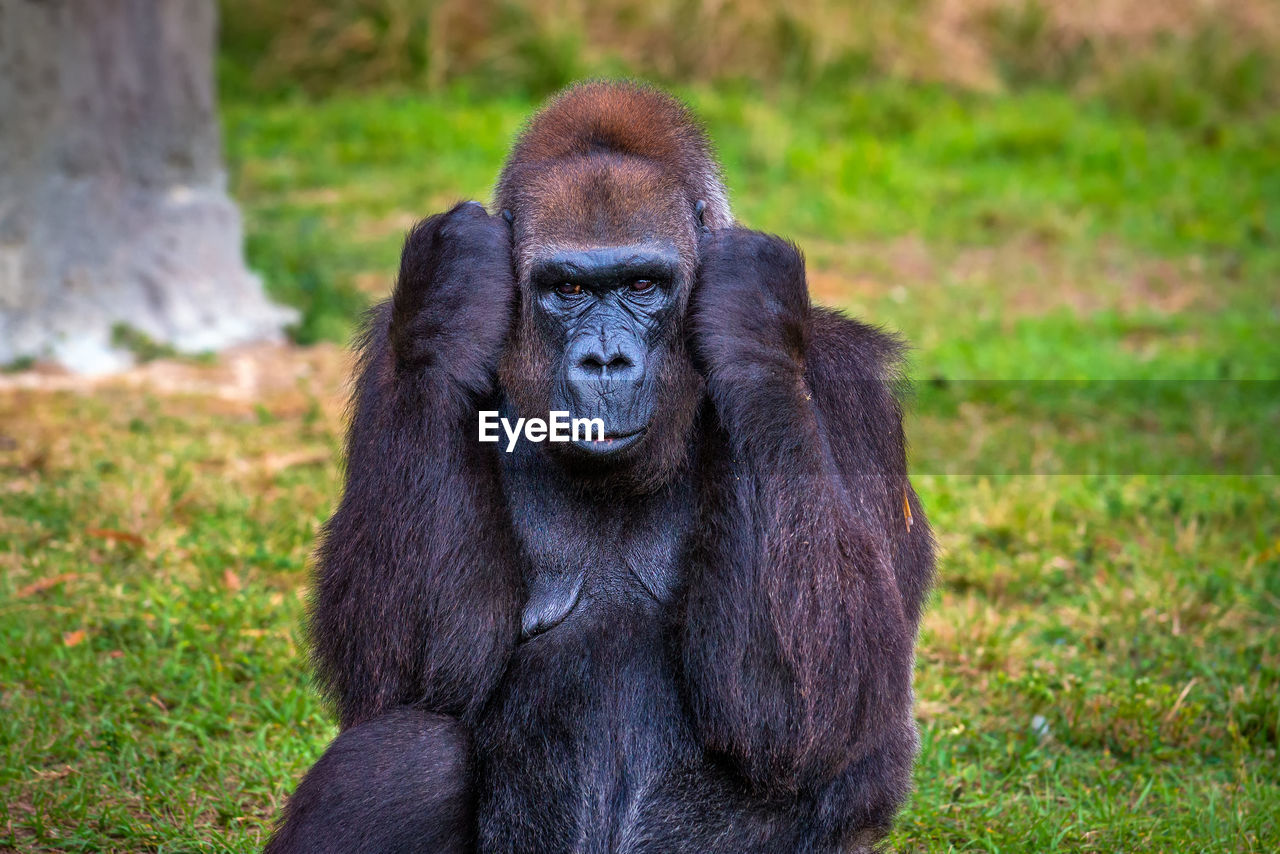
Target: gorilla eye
{"x": 568, "y": 289}
{"x": 642, "y": 285}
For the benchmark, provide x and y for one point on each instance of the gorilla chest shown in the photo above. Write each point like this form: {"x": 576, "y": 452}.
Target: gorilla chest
{"x": 587, "y": 554}
{"x": 586, "y": 740}
{"x": 586, "y": 736}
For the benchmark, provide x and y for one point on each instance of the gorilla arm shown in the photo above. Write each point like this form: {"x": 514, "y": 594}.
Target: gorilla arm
{"x": 416, "y": 593}
{"x": 798, "y": 647}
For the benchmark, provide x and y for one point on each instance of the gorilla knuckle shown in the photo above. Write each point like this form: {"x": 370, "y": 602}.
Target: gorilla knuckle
{"x": 456, "y": 284}
{"x": 468, "y": 210}
{"x": 449, "y": 249}
{"x": 754, "y": 283}
{"x": 773, "y": 257}
{"x": 470, "y": 223}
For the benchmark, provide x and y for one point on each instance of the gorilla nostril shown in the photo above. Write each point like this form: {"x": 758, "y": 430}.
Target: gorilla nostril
{"x": 598, "y": 364}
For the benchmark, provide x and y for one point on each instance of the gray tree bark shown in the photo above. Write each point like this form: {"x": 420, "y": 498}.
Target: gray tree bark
{"x": 113, "y": 203}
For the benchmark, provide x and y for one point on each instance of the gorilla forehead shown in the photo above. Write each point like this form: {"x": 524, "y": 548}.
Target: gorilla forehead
{"x": 624, "y": 119}
{"x": 602, "y": 200}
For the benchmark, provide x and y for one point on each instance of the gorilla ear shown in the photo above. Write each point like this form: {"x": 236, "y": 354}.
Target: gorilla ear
{"x": 699, "y": 208}
{"x": 508, "y": 216}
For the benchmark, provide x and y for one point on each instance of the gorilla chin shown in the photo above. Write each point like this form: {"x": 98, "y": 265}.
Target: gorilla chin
{"x": 614, "y": 445}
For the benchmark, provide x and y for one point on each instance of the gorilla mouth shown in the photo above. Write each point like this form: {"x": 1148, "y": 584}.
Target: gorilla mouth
{"x": 612, "y": 443}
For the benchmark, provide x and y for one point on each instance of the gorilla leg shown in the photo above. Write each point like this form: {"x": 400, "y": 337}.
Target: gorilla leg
{"x": 398, "y": 783}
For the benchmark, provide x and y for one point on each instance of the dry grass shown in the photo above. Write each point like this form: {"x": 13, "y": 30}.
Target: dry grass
{"x": 978, "y": 44}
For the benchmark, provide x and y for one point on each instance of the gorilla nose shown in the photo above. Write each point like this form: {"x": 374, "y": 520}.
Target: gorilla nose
{"x": 605, "y": 364}
{"x": 602, "y": 368}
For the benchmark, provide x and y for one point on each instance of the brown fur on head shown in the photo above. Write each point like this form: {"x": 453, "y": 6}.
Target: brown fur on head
{"x": 611, "y": 164}
{"x": 627, "y": 119}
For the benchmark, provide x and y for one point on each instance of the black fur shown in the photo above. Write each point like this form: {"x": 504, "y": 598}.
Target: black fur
{"x": 401, "y": 782}
{"x": 411, "y": 606}
{"x": 715, "y": 657}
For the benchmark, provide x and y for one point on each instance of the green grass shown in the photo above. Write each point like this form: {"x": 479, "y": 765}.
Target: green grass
{"x": 1099, "y": 668}
{"x": 1117, "y": 207}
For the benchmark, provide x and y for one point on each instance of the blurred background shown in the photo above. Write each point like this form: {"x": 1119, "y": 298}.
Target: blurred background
{"x": 1070, "y": 209}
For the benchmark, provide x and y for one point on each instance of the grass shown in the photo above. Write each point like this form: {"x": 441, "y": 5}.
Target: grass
{"x": 1182, "y": 60}
{"x": 1091, "y": 298}
{"x": 1116, "y": 213}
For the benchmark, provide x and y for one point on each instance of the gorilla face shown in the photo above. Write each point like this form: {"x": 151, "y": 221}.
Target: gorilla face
{"x": 611, "y": 310}
{"x": 605, "y": 249}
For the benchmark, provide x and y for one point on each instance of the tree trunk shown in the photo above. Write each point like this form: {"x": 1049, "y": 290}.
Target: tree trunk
{"x": 113, "y": 203}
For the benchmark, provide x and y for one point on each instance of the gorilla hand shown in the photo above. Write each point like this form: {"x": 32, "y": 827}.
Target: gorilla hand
{"x": 750, "y": 308}
{"x": 455, "y": 296}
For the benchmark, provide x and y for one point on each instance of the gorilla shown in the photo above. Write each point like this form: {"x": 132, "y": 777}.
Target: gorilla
{"x": 693, "y": 633}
